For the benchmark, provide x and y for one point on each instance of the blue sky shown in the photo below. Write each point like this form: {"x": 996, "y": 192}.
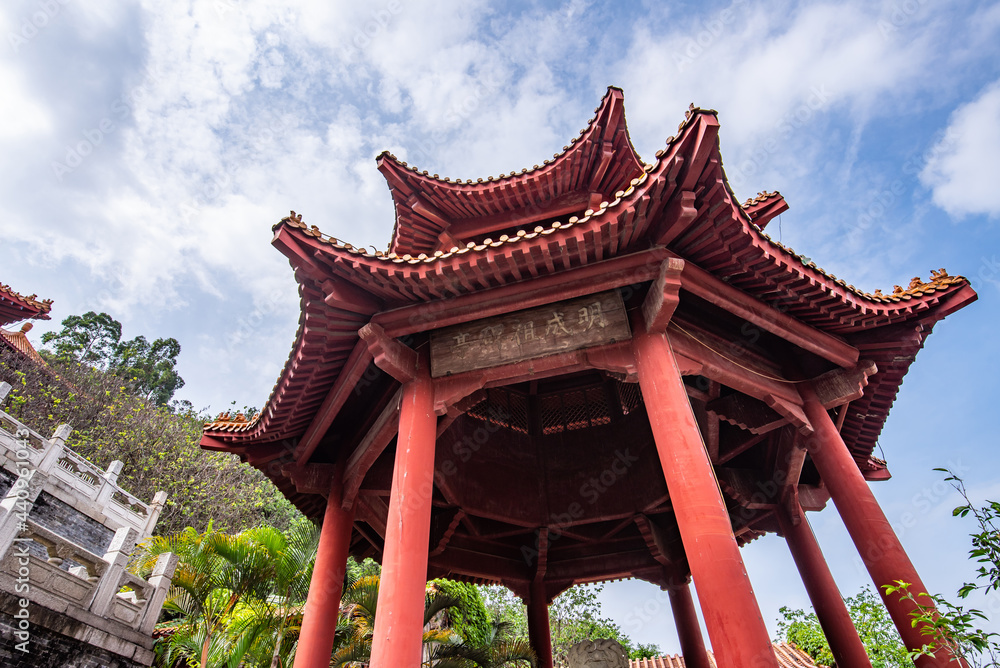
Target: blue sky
{"x": 147, "y": 148}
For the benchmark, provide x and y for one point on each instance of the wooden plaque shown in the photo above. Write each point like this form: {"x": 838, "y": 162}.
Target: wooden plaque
{"x": 557, "y": 328}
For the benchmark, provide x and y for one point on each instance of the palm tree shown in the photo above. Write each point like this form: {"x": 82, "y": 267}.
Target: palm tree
{"x": 500, "y": 649}
{"x": 359, "y": 604}
{"x": 236, "y": 599}
{"x": 267, "y": 627}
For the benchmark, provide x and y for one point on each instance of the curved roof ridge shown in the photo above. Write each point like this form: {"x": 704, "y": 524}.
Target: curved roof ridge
{"x": 601, "y": 158}
{"x": 423, "y": 175}
{"x": 917, "y": 287}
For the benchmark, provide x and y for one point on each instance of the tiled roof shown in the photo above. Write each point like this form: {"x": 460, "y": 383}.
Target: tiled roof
{"x": 601, "y": 159}
{"x": 19, "y": 342}
{"x": 15, "y": 306}
{"x": 788, "y": 655}
{"x": 722, "y": 238}
{"x": 378, "y": 262}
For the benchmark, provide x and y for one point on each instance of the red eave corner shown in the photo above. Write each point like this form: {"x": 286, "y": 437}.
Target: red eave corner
{"x": 15, "y": 306}
{"x": 763, "y": 208}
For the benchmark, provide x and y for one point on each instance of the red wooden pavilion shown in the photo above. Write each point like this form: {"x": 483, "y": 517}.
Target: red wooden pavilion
{"x": 595, "y": 368}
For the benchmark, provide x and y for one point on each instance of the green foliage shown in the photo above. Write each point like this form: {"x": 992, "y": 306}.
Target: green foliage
{"x": 157, "y": 444}
{"x": 95, "y": 339}
{"x": 954, "y": 627}
{"x": 499, "y": 648}
{"x": 469, "y": 618}
{"x": 648, "y": 651}
{"x": 575, "y": 615}
{"x": 502, "y": 605}
{"x": 235, "y": 599}
{"x": 359, "y": 607}
{"x": 878, "y": 634}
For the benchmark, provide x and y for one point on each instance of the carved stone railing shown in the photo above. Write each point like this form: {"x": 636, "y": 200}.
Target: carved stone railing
{"x": 74, "y": 480}
{"x": 91, "y": 591}
{"x": 96, "y": 585}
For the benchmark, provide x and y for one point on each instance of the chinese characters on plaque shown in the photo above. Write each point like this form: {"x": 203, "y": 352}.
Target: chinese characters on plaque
{"x": 561, "y": 327}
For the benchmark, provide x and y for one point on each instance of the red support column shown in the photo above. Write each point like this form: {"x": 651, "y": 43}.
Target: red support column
{"x": 823, "y": 592}
{"x": 735, "y": 626}
{"x": 397, "y": 640}
{"x": 539, "y": 633}
{"x": 319, "y": 620}
{"x": 688, "y": 630}
{"x": 871, "y": 532}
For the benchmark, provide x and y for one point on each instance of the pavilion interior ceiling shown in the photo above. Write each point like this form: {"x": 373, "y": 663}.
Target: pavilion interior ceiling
{"x": 553, "y": 473}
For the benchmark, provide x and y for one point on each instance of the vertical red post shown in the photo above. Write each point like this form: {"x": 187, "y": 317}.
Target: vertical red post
{"x": 688, "y": 630}
{"x": 823, "y": 592}
{"x": 735, "y": 626}
{"x": 871, "y": 532}
{"x": 397, "y": 640}
{"x": 319, "y": 619}
{"x": 539, "y": 633}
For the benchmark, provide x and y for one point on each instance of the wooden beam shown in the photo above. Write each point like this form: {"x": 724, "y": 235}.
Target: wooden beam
{"x": 676, "y": 216}
{"x": 348, "y": 297}
{"x": 791, "y": 411}
{"x": 311, "y": 478}
{"x": 841, "y": 386}
{"x": 702, "y": 284}
{"x": 481, "y": 565}
{"x": 370, "y": 448}
{"x": 390, "y": 355}
{"x": 744, "y": 377}
{"x": 739, "y": 448}
{"x": 663, "y": 296}
{"x": 373, "y": 509}
{"x": 346, "y": 383}
{"x": 617, "y": 272}
{"x": 747, "y": 487}
{"x": 439, "y": 545}
{"x": 746, "y": 413}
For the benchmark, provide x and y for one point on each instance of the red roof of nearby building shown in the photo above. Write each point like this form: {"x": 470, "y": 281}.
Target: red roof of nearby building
{"x": 15, "y": 306}
{"x": 788, "y": 655}
{"x": 18, "y": 341}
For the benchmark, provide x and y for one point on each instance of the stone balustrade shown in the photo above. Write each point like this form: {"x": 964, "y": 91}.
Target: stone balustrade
{"x": 84, "y": 594}
{"x": 74, "y": 480}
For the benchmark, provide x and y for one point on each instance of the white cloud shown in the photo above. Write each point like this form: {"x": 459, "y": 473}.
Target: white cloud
{"x": 22, "y": 117}
{"x": 964, "y": 165}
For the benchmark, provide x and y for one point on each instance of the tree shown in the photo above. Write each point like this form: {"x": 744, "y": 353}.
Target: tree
{"x": 235, "y": 599}
{"x": 95, "y": 339}
{"x": 90, "y": 338}
{"x": 359, "y": 603}
{"x": 499, "y": 648}
{"x": 875, "y": 628}
{"x": 575, "y": 615}
{"x": 158, "y": 445}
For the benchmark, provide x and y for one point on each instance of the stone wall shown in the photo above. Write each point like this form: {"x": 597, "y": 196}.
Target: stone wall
{"x": 56, "y": 642}
{"x": 70, "y": 523}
